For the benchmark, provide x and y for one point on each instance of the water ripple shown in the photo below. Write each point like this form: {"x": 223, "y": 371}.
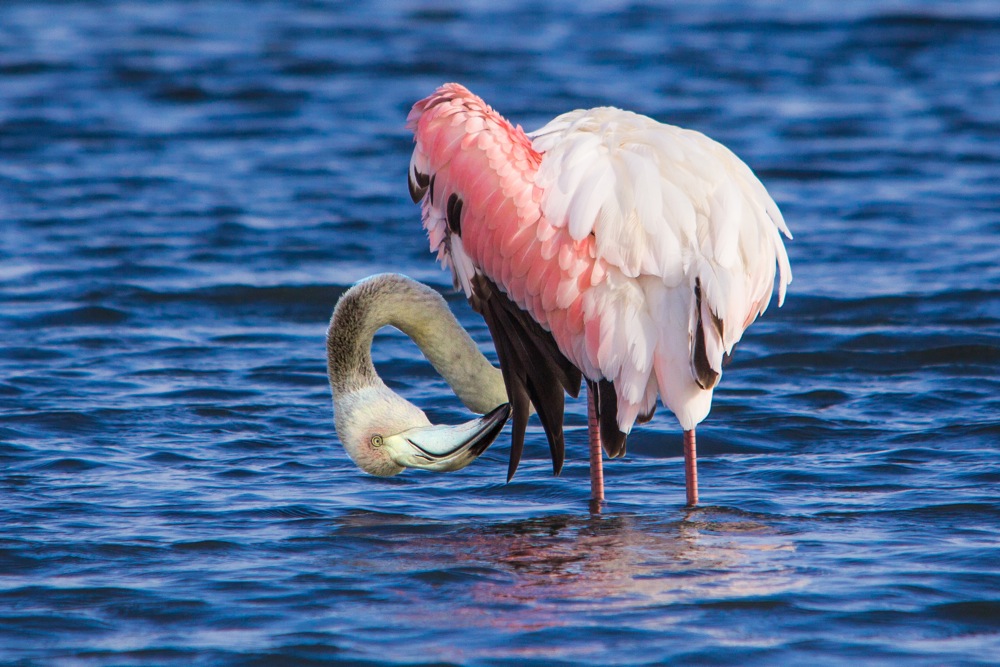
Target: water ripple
{"x": 188, "y": 188}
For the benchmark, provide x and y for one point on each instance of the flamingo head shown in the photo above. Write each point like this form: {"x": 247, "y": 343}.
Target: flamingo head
{"x": 384, "y": 433}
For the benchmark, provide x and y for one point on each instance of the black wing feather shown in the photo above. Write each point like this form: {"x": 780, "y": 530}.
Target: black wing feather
{"x": 606, "y": 404}
{"x": 533, "y": 369}
{"x": 707, "y": 377}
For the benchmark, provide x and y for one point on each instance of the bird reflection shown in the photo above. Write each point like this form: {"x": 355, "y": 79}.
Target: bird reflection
{"x": 619, "y": 560}
{"x": 526, "y": 575}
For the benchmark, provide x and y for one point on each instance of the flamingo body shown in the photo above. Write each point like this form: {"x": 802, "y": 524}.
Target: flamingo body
{"x": 640, "y": 251}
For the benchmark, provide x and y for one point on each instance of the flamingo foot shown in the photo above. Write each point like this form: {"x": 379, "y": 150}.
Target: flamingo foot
{"x": 690, "y": 468}
{"x": 596, "y": 454}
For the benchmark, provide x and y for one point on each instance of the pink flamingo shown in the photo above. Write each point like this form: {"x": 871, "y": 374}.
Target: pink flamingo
{"x": 604, "y": 245}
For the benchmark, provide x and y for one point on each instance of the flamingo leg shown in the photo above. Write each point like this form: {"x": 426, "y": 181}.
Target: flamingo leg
{"x": 690, "y": 468}
{"x": 596, "y": 463}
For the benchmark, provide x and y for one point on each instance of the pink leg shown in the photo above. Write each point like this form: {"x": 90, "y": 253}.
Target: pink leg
{"x": 596, "y": 464}
{"x": 690, "y": 468}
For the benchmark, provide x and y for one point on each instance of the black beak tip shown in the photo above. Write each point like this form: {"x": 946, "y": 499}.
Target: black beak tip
{"x": 498, "y": 416}
{"x": 503, "y": 411}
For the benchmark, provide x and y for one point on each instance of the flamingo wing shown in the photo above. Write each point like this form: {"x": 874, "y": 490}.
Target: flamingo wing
{"x": 689, "y": 238}
{"x": 470, "y": 171}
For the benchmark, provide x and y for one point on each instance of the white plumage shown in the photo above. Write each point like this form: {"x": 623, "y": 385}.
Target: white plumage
{"x": 672, "y": 212}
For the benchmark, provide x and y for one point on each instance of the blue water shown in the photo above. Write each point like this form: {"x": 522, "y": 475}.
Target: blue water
{"x": 187, "y": 187}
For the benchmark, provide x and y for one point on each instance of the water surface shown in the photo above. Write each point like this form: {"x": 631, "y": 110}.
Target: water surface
{"x": 187, "y": 187}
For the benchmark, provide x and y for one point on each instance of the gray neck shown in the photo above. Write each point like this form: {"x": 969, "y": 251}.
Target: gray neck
{"x": 419, "y": 312}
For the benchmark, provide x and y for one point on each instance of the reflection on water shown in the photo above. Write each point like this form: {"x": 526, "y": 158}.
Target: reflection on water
{"x": 548, "y": 572}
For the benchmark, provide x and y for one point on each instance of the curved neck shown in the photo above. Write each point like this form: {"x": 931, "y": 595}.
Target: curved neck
{"x": 420, "y": 313}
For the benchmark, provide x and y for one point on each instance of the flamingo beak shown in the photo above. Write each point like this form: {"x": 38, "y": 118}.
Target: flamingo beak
{"x": 446, "y": 448}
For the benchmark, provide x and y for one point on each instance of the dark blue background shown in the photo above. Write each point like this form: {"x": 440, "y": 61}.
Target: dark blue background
{"x": 187, "y": 187}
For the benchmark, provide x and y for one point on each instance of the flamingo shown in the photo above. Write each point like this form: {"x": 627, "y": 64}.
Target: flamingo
{"x": 382, "y": 432}
{"x": 603, "y": 246}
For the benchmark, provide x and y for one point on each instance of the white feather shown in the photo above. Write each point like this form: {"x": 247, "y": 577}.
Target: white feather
{"x": 668, "y": 208}
{"x": 462, "y": 265}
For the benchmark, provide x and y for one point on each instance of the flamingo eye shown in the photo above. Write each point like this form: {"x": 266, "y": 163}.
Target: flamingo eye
{"x": 376, "y": 440}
